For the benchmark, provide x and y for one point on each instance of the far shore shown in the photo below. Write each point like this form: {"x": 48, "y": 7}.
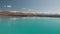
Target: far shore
{"x": 21, "y": 14}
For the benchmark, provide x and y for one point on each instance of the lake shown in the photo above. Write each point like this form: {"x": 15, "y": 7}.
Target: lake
{"x": 30, "y": 25}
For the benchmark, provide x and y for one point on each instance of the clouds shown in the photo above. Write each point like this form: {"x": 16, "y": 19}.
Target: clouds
{"x": 30, "y": 9}
{"x": 8, "y": 6}
{"x": 23, "y": 8}
{"x": 27, "y": 9}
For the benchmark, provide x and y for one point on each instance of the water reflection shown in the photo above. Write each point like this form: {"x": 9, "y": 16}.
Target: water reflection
{"x": 9, "y": 21}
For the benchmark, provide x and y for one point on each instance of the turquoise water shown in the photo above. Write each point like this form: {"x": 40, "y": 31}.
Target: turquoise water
{"x": 30, "y": 25}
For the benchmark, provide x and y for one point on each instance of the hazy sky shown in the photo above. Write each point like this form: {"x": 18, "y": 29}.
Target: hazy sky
{"x": 30, "y": 5}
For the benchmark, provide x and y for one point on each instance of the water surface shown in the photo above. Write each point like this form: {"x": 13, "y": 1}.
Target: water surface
{"x": 30, "y": 25}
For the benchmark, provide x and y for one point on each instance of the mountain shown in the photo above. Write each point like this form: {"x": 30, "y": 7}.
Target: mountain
{"x": 28, "y": 14}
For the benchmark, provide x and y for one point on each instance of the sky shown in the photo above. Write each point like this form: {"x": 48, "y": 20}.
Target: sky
{"x": 30, "y": 5}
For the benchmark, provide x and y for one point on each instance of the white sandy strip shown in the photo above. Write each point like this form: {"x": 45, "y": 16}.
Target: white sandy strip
{"x": 38, "y": 12}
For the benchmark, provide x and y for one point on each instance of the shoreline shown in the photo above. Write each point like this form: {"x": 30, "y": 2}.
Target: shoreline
{"x": 21, "y": 14}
